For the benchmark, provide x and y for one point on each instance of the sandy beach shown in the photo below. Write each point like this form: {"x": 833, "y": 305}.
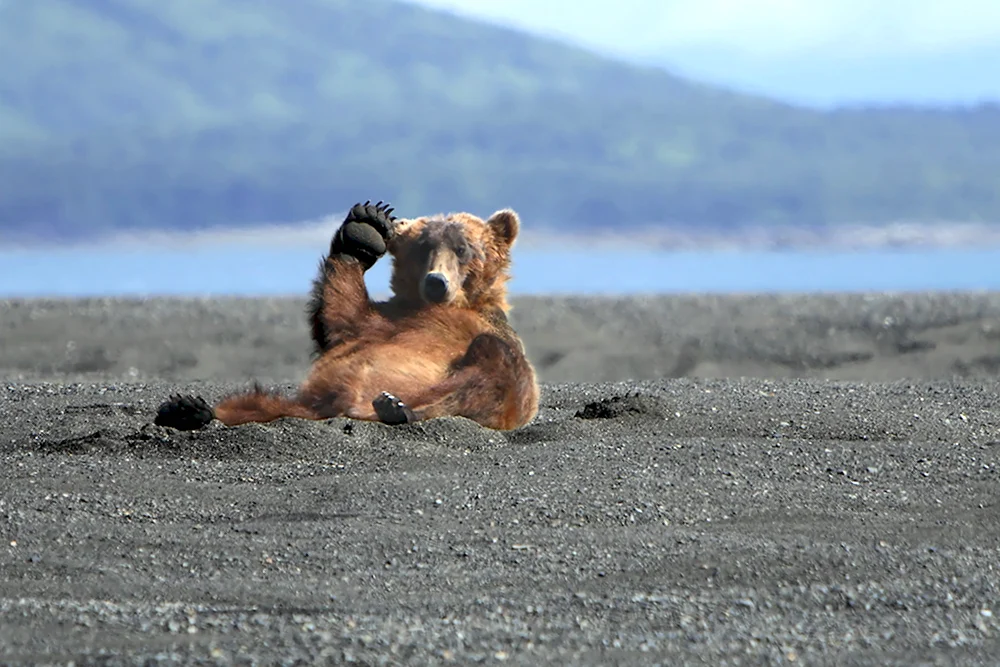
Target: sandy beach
{"x": 712, "y": 479}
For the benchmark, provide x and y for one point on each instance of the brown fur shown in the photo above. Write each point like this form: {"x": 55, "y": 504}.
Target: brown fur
{"x": 457, "y": 357}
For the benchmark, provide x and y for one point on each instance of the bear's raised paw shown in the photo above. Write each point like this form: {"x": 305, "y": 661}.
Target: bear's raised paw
{"x": 184, "y": 413}
{"x": 365, "y": 232}
{"x": 391, "y": 410}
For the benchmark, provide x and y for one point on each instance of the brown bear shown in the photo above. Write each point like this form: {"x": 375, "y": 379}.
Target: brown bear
{"x": 440, "y": 346}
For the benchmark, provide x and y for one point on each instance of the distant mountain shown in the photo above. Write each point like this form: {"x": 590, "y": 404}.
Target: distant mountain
{"x": 132, "y": 114}
{"x": 815, "y": 53}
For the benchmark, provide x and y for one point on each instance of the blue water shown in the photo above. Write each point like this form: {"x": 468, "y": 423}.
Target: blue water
{"x": 253, "y": 269}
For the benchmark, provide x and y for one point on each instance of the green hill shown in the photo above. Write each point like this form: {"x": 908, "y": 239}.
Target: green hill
{"x": 193, "y": 113}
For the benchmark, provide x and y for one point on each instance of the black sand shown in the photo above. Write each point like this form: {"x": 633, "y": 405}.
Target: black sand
{"x": 838, "y": 506}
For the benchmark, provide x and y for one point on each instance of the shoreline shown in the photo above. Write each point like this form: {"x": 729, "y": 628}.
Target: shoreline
{"x": 660, "y": 238}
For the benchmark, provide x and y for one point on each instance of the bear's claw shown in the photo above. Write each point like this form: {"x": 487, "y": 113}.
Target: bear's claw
{"x": 365, "y": 232}
{"x": 377, "y": 215}
{"x": 391, "y": 410}
{"x": 184, "y": 413}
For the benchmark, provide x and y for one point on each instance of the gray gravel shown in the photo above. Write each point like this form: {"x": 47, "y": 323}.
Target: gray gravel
{"x": 837, "y": 336}
{"x": 672, "y": 521}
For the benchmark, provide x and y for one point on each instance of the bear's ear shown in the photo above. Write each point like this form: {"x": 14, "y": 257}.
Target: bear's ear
{"x": 504, "y": 224}
{"x": 405, "y": 230}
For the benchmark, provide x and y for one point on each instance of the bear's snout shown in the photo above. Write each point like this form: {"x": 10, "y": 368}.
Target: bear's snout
{"x": 436, "y": 287}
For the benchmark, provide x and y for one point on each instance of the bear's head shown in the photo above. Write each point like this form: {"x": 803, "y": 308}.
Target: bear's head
{"x": 456, "y": 259}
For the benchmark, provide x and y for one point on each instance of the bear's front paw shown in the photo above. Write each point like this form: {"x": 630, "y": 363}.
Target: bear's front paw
{"x": 184, "y": 413}
{"x": 364, "y": 233}
{"x": 391, "y": 410}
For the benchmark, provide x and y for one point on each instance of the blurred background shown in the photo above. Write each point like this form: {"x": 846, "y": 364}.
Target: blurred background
{"x": 211, "y": 146}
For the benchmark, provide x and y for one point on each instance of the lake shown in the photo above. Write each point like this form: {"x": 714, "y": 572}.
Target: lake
{"x": 261, "y": 269}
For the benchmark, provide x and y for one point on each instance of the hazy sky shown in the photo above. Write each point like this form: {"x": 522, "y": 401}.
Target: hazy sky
{"x": 744, "y": 39}
{"x": 773, "y": 28}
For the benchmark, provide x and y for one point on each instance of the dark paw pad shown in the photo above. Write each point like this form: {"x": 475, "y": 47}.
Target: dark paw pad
{"x": 184, "y": 413}
{"x": 391, "y": 410}
{"x": 365, "y": 232}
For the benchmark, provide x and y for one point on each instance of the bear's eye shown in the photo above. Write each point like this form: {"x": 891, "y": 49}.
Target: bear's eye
{"x": 463, "y": 252}
{"x": 422, "y": 249}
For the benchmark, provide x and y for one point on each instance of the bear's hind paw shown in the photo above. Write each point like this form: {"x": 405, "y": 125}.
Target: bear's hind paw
{"x": 391, "y": 410}
{"x": 184, "y": 413}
